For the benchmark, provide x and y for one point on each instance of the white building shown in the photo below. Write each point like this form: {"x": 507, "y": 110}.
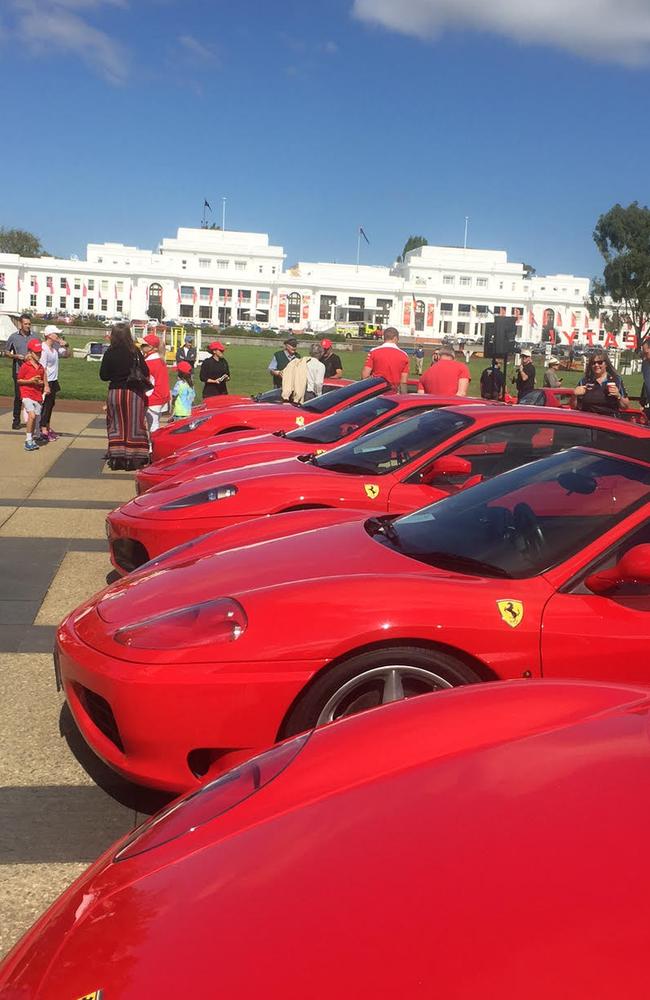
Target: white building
{"x": 229, "y": 277}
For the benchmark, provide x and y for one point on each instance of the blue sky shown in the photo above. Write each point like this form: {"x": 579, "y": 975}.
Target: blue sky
{"x": 314, "y": 118}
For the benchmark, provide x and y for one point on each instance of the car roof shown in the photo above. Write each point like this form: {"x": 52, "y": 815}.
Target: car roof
{"x": 522, "y": 413}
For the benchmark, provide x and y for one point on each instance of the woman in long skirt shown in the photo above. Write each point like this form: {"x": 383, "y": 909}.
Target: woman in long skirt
{"x": 125, "y": 369}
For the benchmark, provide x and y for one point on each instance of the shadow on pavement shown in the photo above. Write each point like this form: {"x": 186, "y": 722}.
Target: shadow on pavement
{"x": 141, "y": 800}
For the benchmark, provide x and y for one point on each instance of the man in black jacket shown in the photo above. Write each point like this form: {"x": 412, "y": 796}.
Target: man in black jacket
{"x": 187, "y": 352}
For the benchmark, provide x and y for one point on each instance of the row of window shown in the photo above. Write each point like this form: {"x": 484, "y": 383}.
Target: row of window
{"x": 205, "y": 263}
{"x": 224, "y": 314}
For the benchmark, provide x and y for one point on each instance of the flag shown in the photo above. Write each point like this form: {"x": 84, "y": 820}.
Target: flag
{"x": 558, "y": 319}
{"x": 531, "y": 319}
{"x": 35, "y": 285}
{"x": 179, "y": 294}
{"x": 67, "y": 287}
{"x": 193, "y": 294}
{"x": 211, "y": 296}
{"x": 206, "y": 204}
{"x": 574, "y": 320}
{"x": 361, "y": 233}
{"x": 84, "y": 290}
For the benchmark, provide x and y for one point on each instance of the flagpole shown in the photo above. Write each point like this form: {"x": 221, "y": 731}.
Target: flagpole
{"x": 466, "y": 225}
{"x": 358, "y": 246}
{"x": 223, "y": 214}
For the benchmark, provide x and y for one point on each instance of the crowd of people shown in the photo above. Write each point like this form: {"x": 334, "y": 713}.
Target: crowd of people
{"x": 139, "y": 390}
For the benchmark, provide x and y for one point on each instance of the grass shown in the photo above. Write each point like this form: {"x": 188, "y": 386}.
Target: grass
{"x": 248, "y": 364}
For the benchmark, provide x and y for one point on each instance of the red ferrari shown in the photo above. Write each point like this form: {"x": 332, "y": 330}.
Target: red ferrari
{"x": 266, "y": 629}
{"x": 232, "y": 451}
{"x": 254, "y": 417}
{"x": 390, "y": 471}
{"x": 484, "y": 843}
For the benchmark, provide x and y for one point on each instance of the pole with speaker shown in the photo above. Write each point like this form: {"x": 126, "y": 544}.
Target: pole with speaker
{"x": 499, "y": 341}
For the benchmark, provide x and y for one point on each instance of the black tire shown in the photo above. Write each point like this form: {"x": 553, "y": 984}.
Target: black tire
{"x": 307, "y": 710}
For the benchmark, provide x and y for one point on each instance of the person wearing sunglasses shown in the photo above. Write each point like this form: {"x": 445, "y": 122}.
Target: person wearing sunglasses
{"x": 601, "y": 389}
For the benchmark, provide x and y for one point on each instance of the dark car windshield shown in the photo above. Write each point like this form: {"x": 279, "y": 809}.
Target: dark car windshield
{"x": 321, "y": 404}
{"x": 390, "y": 448}
{"x": 343, "y": 422}
{"x": 525, "y": 521}
{"x": 272, "y": 396}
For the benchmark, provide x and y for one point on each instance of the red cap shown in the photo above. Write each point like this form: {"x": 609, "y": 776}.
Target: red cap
{"x": 216, "y": 345}
{"x": 152, "y": 340}
{"x": 34, "y": 345}
{"x": 184, "y": 366}
{"x": 326, "y": 344}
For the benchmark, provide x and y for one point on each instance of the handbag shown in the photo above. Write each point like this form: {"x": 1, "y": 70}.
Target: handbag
{"x": 137, "y": 379}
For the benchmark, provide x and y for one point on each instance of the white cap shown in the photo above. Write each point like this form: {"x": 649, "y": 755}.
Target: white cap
{"x": 51, "y": 331}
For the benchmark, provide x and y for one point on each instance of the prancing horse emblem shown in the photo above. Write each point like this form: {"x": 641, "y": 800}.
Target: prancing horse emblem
{"x": 512, "y": 612}
{"x": 372, "y": 490}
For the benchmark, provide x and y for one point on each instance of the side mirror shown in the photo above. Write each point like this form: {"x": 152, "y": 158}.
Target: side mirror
{"x": 633, "y": 568}
{"x": 447, "y": 465}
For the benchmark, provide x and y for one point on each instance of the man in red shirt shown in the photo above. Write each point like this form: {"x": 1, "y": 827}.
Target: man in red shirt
{"x": 447, "y": 377}
{"x": 158, "y": 397}
{"x": 388, "y": 361}
{"x": 31, "y": 381}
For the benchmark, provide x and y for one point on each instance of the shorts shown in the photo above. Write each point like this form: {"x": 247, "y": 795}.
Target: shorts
{"x": 32, "y": 406}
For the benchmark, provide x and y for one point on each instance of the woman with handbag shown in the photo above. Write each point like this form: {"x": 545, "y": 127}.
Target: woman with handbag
{"x": 126, "y": 372}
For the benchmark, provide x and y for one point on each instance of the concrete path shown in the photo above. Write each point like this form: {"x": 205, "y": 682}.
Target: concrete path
{"x": 59, "y": 805}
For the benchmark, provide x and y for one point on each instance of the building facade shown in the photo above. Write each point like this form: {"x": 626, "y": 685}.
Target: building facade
{"x": 205, "y": 275}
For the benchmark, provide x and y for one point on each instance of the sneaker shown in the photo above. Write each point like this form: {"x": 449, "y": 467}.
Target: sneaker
{"x": 31, "y": 446}
{"x": 41, "y": 439}
{"x": 52, "y": 436}
{"x": 16, "y": 426}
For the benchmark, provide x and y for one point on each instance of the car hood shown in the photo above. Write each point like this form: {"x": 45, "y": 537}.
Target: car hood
{"x": 319, "y": 555}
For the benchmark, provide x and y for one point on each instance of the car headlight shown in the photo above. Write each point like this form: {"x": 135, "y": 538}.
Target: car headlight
{"x": 197, "y": 808}
{"x": 221, "y": 620}
{"x": 193, "y": 424}
{"x": 195, "y": 499}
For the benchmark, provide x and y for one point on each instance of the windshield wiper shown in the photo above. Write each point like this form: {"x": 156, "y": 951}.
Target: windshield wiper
{"x": 382, "y": 526}
{"x": 453, "y": 560}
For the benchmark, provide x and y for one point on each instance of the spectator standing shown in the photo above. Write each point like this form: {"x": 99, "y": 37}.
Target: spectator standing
{"x": 447, "y": 377}
{"x": 183, "y": 392}
{"x": 551, "y": 378}
{"x": 31, "y": 380}
{"x": 315, "y": 372}
{"x": 158, "y": 396}
{"x": 332, "y": 362}
{"x": 281, "y": 359}
{"x": 525, "y": 377}
{"x": 53, "y": 343}
{"x": 126, "y": 372}
{"x": 17, "y": 350}
{"x": 601, "y": 389}
{"x": 645, "y": 375}
{"x": 492, "y": 381}
{"x": 419, "y": 359}
{"x": 388, "y": 361}
{"x": 187, "y": 352}
{"x": 215, "y": 371}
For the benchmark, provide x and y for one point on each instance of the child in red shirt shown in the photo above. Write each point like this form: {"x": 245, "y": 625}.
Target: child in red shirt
{"x": 31, "y": 380}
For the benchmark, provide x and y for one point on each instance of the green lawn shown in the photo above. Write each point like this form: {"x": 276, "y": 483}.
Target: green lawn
{"x": 248, "y": 363}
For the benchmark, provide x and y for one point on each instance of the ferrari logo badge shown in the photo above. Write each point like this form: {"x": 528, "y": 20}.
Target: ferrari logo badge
{"x": 95, "y": 995}
{"x": 300, "y": 421}
{"x": 320, "y": 451}
{"x": 372, "y": 490}
{"x": 512, "y": 612}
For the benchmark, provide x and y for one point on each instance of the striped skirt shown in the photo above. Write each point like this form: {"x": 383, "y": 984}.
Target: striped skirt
{"x": 128, "y": 444}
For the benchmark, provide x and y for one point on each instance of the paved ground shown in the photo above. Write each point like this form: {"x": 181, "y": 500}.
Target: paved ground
{"x": 59, "y": 806}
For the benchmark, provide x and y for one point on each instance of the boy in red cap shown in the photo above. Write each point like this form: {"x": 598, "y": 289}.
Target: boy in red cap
{"x": 31, "y": 381}
{"x": 158, "y": 397}
{"x": 183, "y": 392}
{"x": 215, "y": 371}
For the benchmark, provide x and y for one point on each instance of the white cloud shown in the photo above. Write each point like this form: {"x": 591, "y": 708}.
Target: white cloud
{"x": 611, "y": 30}
{"x": 56, "y": 27}
{"x": 197, "y": 49}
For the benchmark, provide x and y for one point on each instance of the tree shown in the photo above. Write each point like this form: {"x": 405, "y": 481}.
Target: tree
{"x": 622, "y": 236}
{"x": 412, "y": 243}
{"x": 21, "y": 242}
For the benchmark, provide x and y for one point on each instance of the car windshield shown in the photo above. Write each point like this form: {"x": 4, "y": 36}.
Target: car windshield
{"x": 321, "y": 404}
{"x": 523, "y": 522}
{"x": 390, "y": 448}
{"x": 272, "y": 396}
{"x": 342, "y": 423}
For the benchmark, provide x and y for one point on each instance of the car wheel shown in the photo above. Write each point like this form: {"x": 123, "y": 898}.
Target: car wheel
{"x": 372, "y": 679}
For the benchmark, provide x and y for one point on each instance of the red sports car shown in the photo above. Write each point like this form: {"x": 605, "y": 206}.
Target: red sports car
{"x": 393, "y": 470}
{"x": 484, "y": 843}
{"x": 256, "y": 417}
{"x": 232, "y": 451}
{"x": 271, "y": 627}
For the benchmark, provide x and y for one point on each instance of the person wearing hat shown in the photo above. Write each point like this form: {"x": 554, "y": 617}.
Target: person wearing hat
{"x": 183, "y": 392}
{"x": 525, "y": 377}
{"x": 32, "y": 381}
{"x": 215, "y": 371}
{"x": 187, "y": 352}
{"x": 551, "y": 377}
{"x": 53, "y": 342}
{"x": 332, "y": 362}
{"x": 281, "y": 359}
{"x": 158, "y": 396}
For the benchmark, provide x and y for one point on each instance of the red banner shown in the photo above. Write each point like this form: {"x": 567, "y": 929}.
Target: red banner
{"x": 430, "y": 314}
{"x": 306, "y": 299}
{"x": 282, "y": 308}
{"x": 407, "y": 313}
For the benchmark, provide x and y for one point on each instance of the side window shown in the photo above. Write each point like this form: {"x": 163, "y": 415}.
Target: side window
{"x": 621, "y": 444}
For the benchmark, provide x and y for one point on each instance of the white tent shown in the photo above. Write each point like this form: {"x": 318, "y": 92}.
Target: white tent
{"x": 7, "y": 327}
